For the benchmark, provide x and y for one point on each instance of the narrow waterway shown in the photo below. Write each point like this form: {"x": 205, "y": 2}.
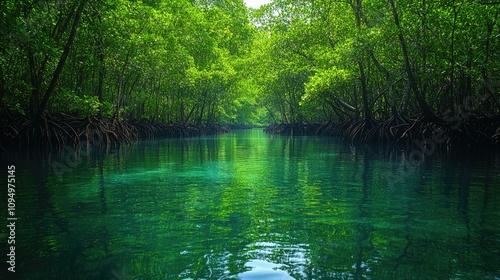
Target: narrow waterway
{"x": 246, "y": 205}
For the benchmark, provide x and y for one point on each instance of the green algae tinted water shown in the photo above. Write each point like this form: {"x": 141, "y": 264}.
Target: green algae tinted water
{"x": 246, "y": 205}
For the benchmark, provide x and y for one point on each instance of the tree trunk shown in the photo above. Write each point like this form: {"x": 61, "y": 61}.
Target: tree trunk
{"x": 411, "y": 77}
{"x": 62, "y": 61}
{"x": 102, "y": 68}
{"x": 364, "y": 88}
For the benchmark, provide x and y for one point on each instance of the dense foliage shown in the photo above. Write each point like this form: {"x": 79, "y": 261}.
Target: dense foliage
{"x": 165, "y": 61}
{"x": 338, "y": 60}
{"x": 216, "y": 61}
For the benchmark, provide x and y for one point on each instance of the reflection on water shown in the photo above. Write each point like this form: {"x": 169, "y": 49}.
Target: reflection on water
{"x": 260, "y": 269}
{"x": 246, "y": 205}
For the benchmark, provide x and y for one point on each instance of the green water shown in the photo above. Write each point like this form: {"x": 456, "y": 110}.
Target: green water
{"x": 246, "y": 205}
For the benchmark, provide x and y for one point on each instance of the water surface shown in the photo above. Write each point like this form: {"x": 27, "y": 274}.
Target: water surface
{"x": 246, "y": 205}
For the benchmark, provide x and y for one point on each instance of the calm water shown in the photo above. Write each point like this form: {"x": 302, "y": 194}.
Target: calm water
{"x": 246, "y": 205}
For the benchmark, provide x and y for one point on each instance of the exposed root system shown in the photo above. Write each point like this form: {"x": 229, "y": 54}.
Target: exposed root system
{"x": 453, "y": 131}
{"x": 152, "y": 130}
{"x": 60, "y": 130}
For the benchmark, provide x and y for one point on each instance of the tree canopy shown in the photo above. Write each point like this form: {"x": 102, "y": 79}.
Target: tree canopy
{"x": 217, "y": 61}
{"x": 373, "y": 58}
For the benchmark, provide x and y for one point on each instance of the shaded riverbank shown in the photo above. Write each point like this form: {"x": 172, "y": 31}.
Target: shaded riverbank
{"x": 451, "y": 131}
{"x": 57, "y": 130}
